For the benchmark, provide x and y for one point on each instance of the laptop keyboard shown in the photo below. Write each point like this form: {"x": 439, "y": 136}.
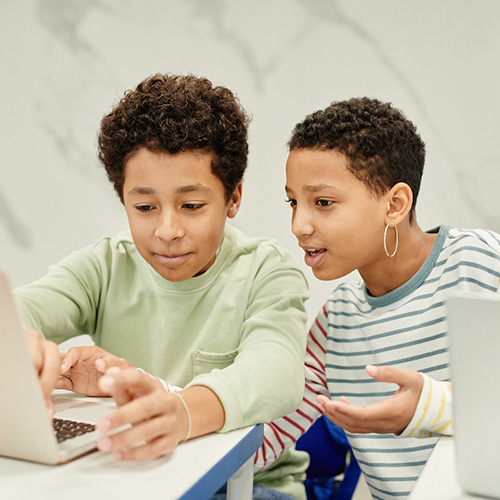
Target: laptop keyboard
{"x": 67, "y": 429}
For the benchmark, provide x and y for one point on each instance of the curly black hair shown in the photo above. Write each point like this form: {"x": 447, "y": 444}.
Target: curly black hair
{"x": 382, "y": 146}
{"x": 172, "y": 114}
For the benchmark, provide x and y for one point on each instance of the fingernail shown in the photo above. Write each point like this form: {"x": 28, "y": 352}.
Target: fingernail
{"x": 64, "y": 367}
{"x": 117, "y": 455}
{"x": 100, "y": 365}
{"x": 103, "y": 425}
{"x": 104, "y": 444}
{"x": 371, "y": 370}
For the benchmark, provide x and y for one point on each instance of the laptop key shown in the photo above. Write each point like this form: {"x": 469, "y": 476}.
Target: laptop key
{"x": 67, "y": 429}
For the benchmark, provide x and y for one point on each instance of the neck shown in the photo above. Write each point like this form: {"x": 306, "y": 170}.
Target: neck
{"x": 387, "y": 274}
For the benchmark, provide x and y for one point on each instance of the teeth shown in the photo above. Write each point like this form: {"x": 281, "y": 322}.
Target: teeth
{"x": 314, "y": 251}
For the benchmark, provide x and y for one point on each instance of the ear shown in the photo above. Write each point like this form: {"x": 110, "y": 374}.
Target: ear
{"x": 399, "y": 202}
{"x": 235, "y": 201}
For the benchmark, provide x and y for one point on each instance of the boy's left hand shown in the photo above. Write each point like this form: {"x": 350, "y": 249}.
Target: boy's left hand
{"x": 391, "y": 415}
{"x": 156, "y": 419}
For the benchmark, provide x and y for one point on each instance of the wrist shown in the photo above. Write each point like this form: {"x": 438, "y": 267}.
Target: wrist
{"x": 186, "y": 412}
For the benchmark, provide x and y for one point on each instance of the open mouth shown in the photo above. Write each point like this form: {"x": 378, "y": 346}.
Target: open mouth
{"x": 316, "y": 251}
{"x": 314, "y": 256}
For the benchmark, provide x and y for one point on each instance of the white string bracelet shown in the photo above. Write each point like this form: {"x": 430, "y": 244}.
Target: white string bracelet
{"x": 188, "y": 434}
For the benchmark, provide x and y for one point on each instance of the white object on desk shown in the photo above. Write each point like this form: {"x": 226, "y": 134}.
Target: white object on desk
{"x": 438, "y": 480}
{"x": 473, "y": 323}
{"x": 195, "y": 470}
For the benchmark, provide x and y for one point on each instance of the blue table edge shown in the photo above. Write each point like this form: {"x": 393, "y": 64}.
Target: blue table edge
{"x": 222, "y": 471}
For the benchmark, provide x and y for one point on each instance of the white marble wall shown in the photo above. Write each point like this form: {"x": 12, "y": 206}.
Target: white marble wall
{"x": 63, "y": 63}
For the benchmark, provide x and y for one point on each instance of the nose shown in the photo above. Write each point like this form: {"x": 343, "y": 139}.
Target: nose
{"x": 169, "y": 226}
{"x": 302, "y": 223}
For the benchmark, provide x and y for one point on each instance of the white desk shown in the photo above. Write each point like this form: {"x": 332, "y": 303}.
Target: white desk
{"x": 438, "y": 480}
{"x": 195, "y": 470}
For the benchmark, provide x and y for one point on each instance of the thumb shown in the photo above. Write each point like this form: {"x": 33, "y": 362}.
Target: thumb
{"x": 111, "y": 383}
{"x": 68, "y": 360}
{"x": 101, "y": 365}
{"x": 390, "y": 374}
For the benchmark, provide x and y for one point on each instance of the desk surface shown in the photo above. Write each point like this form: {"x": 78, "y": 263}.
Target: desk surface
{"x": 438, "y": 480}
{"x": 196, "y": 469}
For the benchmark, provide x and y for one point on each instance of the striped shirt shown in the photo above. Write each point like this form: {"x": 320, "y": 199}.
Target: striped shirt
{"x": 406, "y": 328}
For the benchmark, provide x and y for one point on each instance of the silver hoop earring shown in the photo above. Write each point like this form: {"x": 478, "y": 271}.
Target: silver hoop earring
{"x": 385, "y": 241}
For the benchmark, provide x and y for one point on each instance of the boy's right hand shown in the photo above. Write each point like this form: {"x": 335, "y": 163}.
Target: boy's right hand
{"x": 82, "y": 367}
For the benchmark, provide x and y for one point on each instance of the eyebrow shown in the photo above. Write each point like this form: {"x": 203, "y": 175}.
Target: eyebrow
{"x": 314, "y": 189}
{"x": 192, "y": 187}
{"x": 142, "y": 190}
{"x": 180, "y": 190}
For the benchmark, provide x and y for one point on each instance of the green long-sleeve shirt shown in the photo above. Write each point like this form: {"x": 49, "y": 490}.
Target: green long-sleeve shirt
{"x": 239, "y": 328}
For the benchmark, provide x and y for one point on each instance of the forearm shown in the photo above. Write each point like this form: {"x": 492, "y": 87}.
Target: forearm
{"x": 282, "y": 433}
{"x": 63, "y": 303}
{"x": 205, "y": 409}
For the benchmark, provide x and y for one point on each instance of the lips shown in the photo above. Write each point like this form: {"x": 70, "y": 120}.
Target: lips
{"x": 171, "y": 260}
{"x": 314, "y": 256}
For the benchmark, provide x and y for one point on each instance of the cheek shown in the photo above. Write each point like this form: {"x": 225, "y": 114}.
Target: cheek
{"x": 140, "y": 230}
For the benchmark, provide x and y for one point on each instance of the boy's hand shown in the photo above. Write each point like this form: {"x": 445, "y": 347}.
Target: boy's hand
{"x": 158, "y": 418}
{"x": 47, "y": 360}
{"x": 391, "y": 415}
{"x": 82, "y": 367}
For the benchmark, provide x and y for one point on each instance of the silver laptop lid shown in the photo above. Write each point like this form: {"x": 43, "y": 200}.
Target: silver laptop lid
{"x": 25, "y": 428}
{"x": 474, "y": 333}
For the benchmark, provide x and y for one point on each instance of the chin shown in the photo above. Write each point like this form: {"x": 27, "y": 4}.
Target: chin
{"x": 327, "y": 275}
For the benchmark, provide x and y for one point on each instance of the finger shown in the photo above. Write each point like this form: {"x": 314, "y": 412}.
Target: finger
{"x": 64, "y": 383}
{"x": 126, "y": 385}
{"x": 352, "y": 421}
{"x": 34, "y": 340}
{"x": 107, "y": 384}
{"x": 153, "y": 449}
{"x": 141, "y": 433}
{"x": 111, "y": 361}
{"x": 138, "y": 410}
{"x": 322, "y": 400}
{"x": 101, "y": 365}
{"x": 392, "y": 374}
{"x": 70, "y": 359}
{"x": 49, "y": 372}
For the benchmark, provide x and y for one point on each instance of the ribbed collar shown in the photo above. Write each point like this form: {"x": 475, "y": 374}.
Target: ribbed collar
{"x": 414, "y": 282}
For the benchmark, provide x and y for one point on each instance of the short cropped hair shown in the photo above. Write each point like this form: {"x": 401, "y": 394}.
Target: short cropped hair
{"x": 172, "y": 114}
{"x": 381, "y": 145}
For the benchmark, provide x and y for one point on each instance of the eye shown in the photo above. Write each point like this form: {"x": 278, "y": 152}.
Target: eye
{"x": 291, "y": 202}
{"x": 324, "y": 203}
{"x": 193, "y": 206}
{"x": 145, "y": 208}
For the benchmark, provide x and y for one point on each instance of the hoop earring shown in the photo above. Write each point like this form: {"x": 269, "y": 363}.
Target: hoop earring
{"x": 385, "y": 241}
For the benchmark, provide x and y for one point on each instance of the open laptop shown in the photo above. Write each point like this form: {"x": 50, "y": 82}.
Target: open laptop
{"x": 26, "y": 431}
{"x": 474, "y": 333}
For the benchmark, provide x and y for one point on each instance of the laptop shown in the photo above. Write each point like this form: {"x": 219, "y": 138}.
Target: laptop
{"x": 26, "y": 431}
{"x": 474, "y": 334}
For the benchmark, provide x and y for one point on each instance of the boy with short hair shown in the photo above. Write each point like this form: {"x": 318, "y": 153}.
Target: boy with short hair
{"x": 183, "y": 295}
{"x": 379, "y": 345}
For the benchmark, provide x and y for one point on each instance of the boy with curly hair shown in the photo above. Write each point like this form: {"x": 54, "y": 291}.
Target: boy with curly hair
{"x": 377, "y": 361}
{"x": 183, "y": 296}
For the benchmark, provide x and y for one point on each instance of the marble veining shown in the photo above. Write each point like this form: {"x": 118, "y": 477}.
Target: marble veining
{"x": 284, "y": 58}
